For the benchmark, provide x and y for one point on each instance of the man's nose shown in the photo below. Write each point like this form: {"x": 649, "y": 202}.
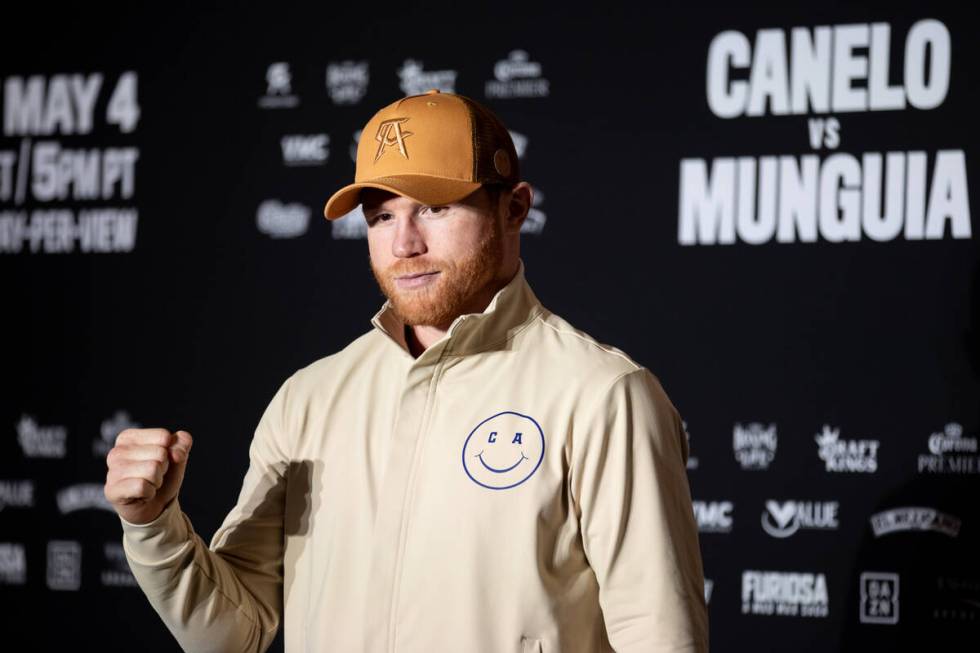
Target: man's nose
{"x": 409, "y": 240}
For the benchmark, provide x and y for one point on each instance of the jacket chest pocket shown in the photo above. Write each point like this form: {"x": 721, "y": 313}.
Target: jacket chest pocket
{"x": 531, "y": 645}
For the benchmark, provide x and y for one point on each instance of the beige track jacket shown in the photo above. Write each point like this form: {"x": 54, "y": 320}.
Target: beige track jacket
{"x": 517, "y": 487}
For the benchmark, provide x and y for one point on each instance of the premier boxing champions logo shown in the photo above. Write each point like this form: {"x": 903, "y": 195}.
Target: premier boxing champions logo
{"x": 818, "y": 72}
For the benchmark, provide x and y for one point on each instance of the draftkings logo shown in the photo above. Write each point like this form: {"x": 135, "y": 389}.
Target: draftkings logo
{"x": 846, "y": 455}
{"x": 783, "y": 593}
{"x": 416, "y": 81}
{"x": 37, "y": 441}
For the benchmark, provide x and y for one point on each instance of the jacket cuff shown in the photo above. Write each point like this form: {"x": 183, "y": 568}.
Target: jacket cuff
{"x": 155, "y": 542}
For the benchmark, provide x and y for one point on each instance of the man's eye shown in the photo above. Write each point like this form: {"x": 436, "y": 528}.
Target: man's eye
{"x": 381, "y": 217}
{"x": 436, "y": 210}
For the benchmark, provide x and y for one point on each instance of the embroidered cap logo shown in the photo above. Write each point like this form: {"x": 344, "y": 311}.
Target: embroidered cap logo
{"x": 390, "y": 133}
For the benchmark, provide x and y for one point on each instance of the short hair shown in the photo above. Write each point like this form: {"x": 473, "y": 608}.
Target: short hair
{"x": 494, "y": 189}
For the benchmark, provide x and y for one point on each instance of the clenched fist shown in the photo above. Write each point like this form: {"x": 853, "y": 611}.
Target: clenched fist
{"x": 146, "y": 468}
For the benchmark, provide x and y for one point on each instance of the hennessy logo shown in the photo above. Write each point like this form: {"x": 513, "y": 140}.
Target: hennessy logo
{"x": 390, "y": 133}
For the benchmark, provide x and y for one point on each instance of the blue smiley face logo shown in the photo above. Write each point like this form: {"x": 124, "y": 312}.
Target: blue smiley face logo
{"x": 503, "y": 450}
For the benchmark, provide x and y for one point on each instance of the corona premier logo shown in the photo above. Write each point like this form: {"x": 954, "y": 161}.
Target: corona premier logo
{"x": 389, "y": 134}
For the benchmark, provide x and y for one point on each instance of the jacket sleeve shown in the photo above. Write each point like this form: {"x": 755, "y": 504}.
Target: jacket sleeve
{"x": 226, "y": 597}
{"x": 629, "y": 482}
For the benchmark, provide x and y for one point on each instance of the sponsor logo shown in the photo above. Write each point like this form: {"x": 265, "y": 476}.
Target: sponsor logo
{"x": 714, "y": 516}
{"x": 782, "y": 593}
{"x": 709, "y": 586}
{"x": 16, "y": 494}
{"x": 355, "y": 139}
{"x": 279, "y": 220}
{"x": 520, "y": 143}
{"x": 64, "y": 572}
{"x": 109, "y": 430}
{"x": 347, "y": 81}
{"x": 950, "y": 453}
{"x": 13, "y": 564}
{"x": 957, "y": 599}
{"x": 279, "y": 88}
{"x": 38, "y": 441}
{"x": 534, "y": 223}
{"x": 503, "y": 450}
{"x": 754, "y": 445}
{"x": 516, "y": 77}
{"x": 846, "y": 455}
{"x": 415, "y": 80}
{"x": 905, "y": 519}
{"x": 879, "y": 598}
{"x": 783, "y": 519}
{"x": 350, "y": 225}
{"x": 305, "y": 149}
{"x": 82, "y": 496}
{"x": 116, "y": 572}
{"x": 692, "y": 461}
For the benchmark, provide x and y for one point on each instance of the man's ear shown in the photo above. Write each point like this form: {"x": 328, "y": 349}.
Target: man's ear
{"x": 517, "y": 203}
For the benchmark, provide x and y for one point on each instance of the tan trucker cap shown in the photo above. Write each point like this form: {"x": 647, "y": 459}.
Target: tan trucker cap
{"x": 434, "y": 148}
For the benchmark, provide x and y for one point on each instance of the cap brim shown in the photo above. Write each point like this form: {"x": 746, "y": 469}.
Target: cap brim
{"x": 421, "y": 188}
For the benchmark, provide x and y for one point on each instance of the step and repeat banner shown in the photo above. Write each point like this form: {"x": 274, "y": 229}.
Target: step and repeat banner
{"x": 773, "y": 211}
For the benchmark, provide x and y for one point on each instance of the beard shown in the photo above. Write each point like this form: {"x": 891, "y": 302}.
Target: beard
{"x": 454, "y": 289}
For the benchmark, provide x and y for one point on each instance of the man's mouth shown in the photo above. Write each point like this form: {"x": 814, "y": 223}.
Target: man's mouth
{"x": 416, "y": 280}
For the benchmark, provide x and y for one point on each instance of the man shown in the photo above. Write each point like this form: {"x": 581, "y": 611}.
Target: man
{"x": 473, "y": 474}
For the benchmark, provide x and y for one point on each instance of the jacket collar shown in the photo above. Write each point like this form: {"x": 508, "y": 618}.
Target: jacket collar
{"x": 510, "y": 309}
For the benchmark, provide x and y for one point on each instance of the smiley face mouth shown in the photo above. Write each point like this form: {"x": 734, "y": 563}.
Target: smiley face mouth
{"x": 505, "y": 469}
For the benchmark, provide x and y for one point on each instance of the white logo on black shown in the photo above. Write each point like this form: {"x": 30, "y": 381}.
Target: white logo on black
{"x": 347, "y": 81}
{"x": 64, "y": 565}
{"x": 38, "y": 441}
{"x": 692, "y": 461}
{"x": 16, "y": 494}
{"x": 83, "y": 496}
{"x": 846, "y": 455}
{"x": 911, "y": 518}
{"x": 351, "y": 225}
{"x": 783, "y": 593}
{"x": 709, "y": 586}
{"x": 520, "y": 143}
{"x": 754, "y": 445}
{"x": 116, "y": 572}
{"x": 13, "y": 564}
{"x": 879, "y": 598}
{"x": 415, "y": 80}
{"x": 714, "y": 516}
{"x": 110, "y": 429}
{"x": 305, "y": 149}
{"x": 279, "y": 220}
{"x": 783, "y": 519}
{"x": 950, "y": 452}
{"x": 279, "y": 88}
{"x": 517, "y": 77}
{"x": 534, "y": 223}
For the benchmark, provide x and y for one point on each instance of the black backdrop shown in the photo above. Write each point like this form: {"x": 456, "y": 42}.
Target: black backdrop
{"x": 232, "y": 279}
